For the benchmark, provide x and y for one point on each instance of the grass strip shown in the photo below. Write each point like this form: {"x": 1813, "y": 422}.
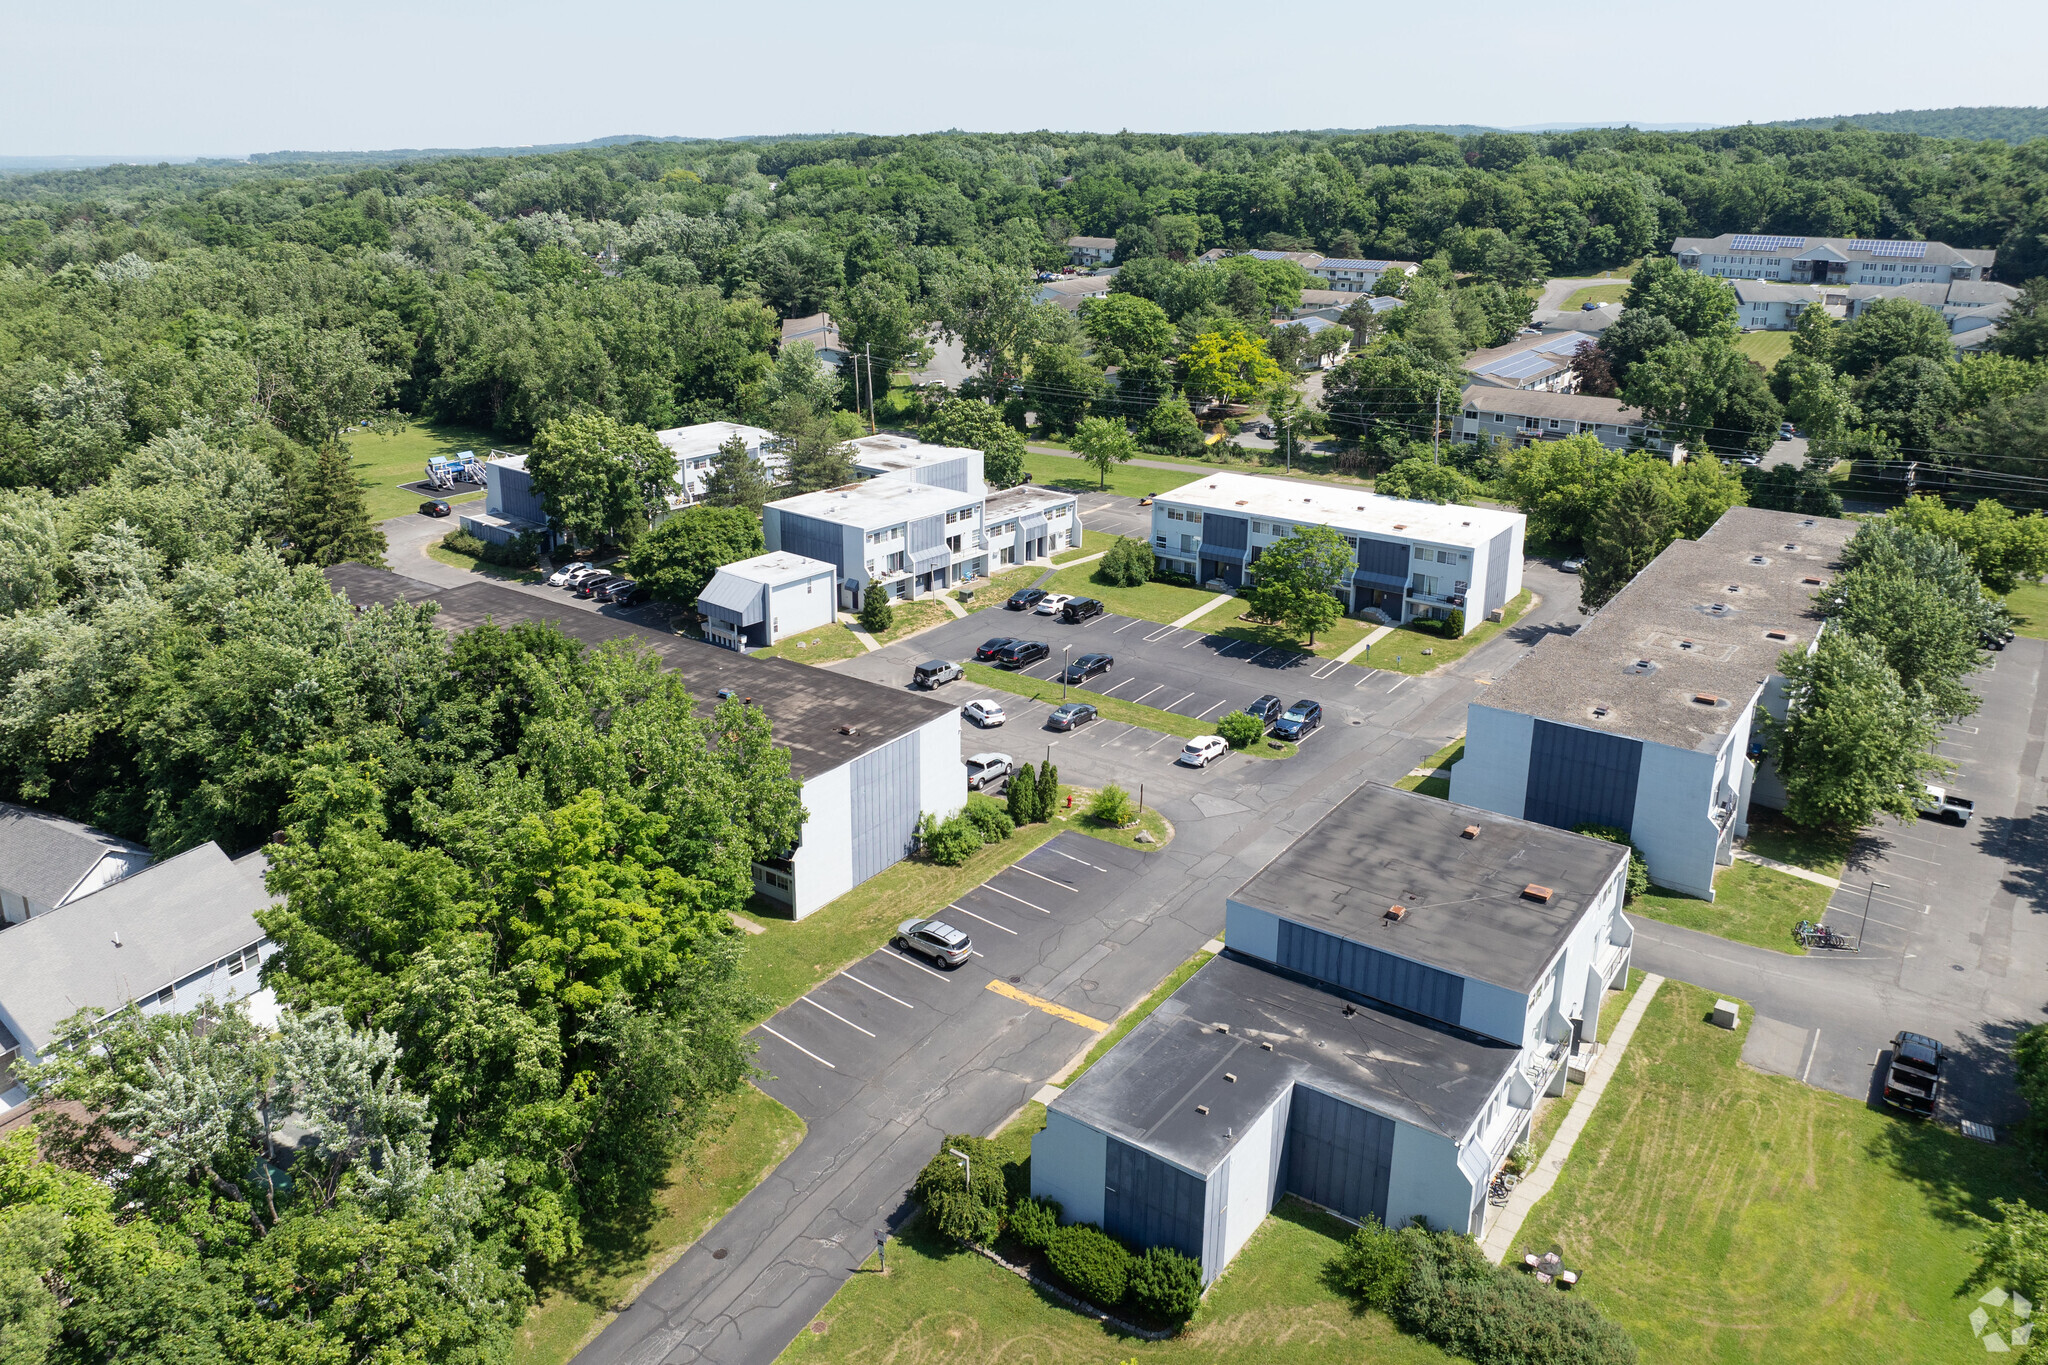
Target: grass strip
{"x": 1151, "y": 718}
{"x": 1430, "y": 783}
{"x": 1751, "y": 904}
{"x": 1135, "y": 1015}
{"x": 1401, "y": 652}
{"x": 1550, "y": 1117}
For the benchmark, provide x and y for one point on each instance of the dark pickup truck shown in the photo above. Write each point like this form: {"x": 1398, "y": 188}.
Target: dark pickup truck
{"x": 1915, "y": 1075}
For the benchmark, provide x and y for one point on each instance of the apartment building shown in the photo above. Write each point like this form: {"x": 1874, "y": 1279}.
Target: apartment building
{"x": 1413, "y": 560}
{"x": 1524, "y": 416}
{"x": 1831, "y": 260}
{"x": 1091, "y": 250}
{"x": 1401, "y": 984}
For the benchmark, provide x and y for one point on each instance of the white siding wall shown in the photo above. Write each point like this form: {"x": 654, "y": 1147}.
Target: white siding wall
{"x": 1253, "y": 1171}
{"x": 1673, "y": 823}
{"x": 1494, "y": 773}
{"x": 942, "y": 779}
{"x": 823, "y": 866}
{"x": 797, "y": 607}
{"x": 1426, "y": 1180}
{"x": 1493, "y": 1011}
{"x": 1252, "y": 931}
{"x": 1069, "y": 1162}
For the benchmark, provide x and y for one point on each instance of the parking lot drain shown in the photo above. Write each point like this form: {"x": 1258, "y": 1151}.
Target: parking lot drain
{"x": 1015, "y": 979}
{"x": 720, "y": 1254}
{"x": 1090, "y": 985}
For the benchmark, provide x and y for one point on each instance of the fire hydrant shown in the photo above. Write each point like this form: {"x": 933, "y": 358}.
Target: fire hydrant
{"x": 1070, "y": 800}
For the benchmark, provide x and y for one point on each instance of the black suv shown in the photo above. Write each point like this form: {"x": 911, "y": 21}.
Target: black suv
{"x": 1267, "y": 709}
{"x": 991, "y": 648}
{"x": 1086, "y": 667}
{"x": 1080, "y": 609}
{"x": 593, "y": 586}
{"x": 1024, "y": 599}
{"x": 1301, "y": 720}
{"x": 1022, "y": 653}
{"x": 1915, "y": 1075}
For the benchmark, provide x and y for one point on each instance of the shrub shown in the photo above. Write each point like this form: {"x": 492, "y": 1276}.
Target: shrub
{"x": 1022, "y": 793}
{"x": 1374, "y": 1266}
{"x": 989, "y": 818}
{"x": 1166, "y": 1284}
{"x": 1113, "y": 807}
{"x": 463, "y": 543}
{"x": 941, "y": 1187}
{"x": 964, "y": 1218}
{"x": 1454, "y": 624}
{"x": 1240, "y": 729}
{"x": 1520, "y": 1158}
{"x": 1048, "y": 789}
{"x": 1126, "y": 564}
{"x": 1092, "y": 1261}
{"x": 2030, "y": 1061}
{"x": 1033, "y": 1223}
{"x": 949, "y": 843}
{"x": 1458, "y": 1299}
{"x": 876, "y": 615}
{"x": 1638, "y": 870}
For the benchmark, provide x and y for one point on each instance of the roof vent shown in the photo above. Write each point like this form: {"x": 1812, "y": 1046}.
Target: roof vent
{"x": 1687, "y": 644}
{"x": 1814, "y": 582}
{"x": 1241, "y": 502}
{"x": 848, "y": 730}
{"x": 1400, "y": 526}
{"x": 1537, "y": 893}
{"x": 1471, "y": 831}
{"x": 1230, "y": 1076}
{"x": 1758, "y": 559}
{"x": 1201, "y": 1109}
{"x": 1265, "y": 1047}
{"x": 1397, "y": 913}
{"x": 1599, "y": 713}
{"x": 1807, "y": 522}
{"x": 1735, "y": 587}
{"x": 1791, "y": 545}
{"x": 1715, "y": 608}
{"x": 1223, "y": 1028}
{"x": 1706, "y": 699}
{"x": 1776, "y": 635}
{"x": 1641, "y": 666}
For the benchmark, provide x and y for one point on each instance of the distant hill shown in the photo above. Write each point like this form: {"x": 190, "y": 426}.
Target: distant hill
{"x": 2006, "y": 123}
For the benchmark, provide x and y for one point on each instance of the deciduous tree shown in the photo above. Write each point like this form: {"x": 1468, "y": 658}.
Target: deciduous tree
{"x": 1298, "y": 577}
{"x": 1633, "y": 529}
{"x": 678, "y": 560}
{"x": 1104, "y": 443}
{"x": 1854, "y": 743}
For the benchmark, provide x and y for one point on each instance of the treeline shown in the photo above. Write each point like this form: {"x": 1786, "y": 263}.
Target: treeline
{"x": 2009, "y": 123}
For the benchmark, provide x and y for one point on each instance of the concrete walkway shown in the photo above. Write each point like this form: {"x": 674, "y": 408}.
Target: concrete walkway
{"x": 1372, "y": 638}
{"x": 1802, "y": 873}
{"x": 952, "y": 604}
{"x": 1218, "y": 600}
{"x": 1500, "y": 1239}
{"x": 852, "y": 623}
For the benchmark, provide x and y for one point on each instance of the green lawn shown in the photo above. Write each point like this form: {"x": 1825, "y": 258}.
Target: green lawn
{"x": 911, "y": 617}
{"x": 1765, "y": 348}
{"x": 1129, "y": 480}
{"x": 2029, "y": 606}
{"x": 1432, "y": 784}
{"x": 1596, "y": 293}
{"x": 995, "y": 590}
{"x": 1550, "y": 1110}
{"x": 393, "y": 453}
{"x": 1401, "y": 652}
{"x": 1151, "y": 718}
{"x": 1751, "y": 905}
{"x": 577, "y": 1303}
{"x": 1092, "y": 543}
{"x": 1229, "y": 620}
{"x": 1148, "y": 601}
{"x": 441, "y": 553}
{"x": 1149, "y": 820}
{"x": 1772, "y": 836}
{"x": 1724, "y": 1215}
{"x": 825, "y": 645}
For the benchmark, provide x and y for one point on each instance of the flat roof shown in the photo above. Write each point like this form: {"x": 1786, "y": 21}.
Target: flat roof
{"x": 778, "y": 566}
{"x": 1872, "y": 248}
{"x": 173, "y": 918}
{"x": 1466, "y": 911}
{"x": 806, "y": 706}
{"x": 1145, "y": 1090}
{"x": 1025, "y": 497}
{"x": 1710, "y": 616}
{"x": 876, "y": 502}
{"x": 706, "y": 437}
{"x": 1294, "y": 500}
{"x": 889, "y": 454}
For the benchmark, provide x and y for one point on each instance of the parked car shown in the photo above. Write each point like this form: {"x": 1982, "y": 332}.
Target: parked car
{"x": 1300, "y": 720}
{"x": 985, "y": 712}
{"x": 1086, "y": 667}
{"x": 1750, "y": 459}
{"x": 1050, "y": 604}
{"x": 591, "y": 587}
{"x": 562, "y": 577}
{"x": 1024, "y": 599}
{"x": 1079, "y": 609}
{"x": 985, "y": 769}
{"x": 935, "y": 673}
{"x": 1022, "y": 653}
{"x": 1786, "y": 431}
{"x": 1998, "y": 638}
{"x": 632, "y": 595}
{"x": 1914, "y": 1079}
{"x": 940, "y": 942}
{"x": 1200, "y": 753}
{"x": 990, "y": 648}
{"x": 434, "y": 507}
{"x": 1267, "y": 709}
{"x": 1572, "y": 565}
{"x": 1072, "y": 716}
{"x": 616, "y": 592}
{"x": 584, "y": 575}
{"x": 1943, "y": 804}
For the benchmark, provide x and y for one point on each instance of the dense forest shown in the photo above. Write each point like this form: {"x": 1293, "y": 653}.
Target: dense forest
{"x": 2008, "y": 123}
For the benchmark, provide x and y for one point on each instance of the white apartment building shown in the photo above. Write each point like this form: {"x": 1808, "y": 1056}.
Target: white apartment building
{"x": 1353, "y": 276}
{"x": 696, "y": 446}
{"x": 761, "y": 601}
{"x": 1523, "y": 416}
{"x": 1413, "y": 560}
{"x": 1091, "y": 250}
{"x": 1831, "y": 260}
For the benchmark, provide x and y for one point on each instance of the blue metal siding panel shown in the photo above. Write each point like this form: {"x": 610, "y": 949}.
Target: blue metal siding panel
{"x": 884, "y": 805}
{"x": 1381, "y": 976}
{"x": 1224, "y": 533}
{"x": 1338, "y": 1155}
{"x": 509, "y": 492}
{"x": 813, "y": 538}
{"x": 1496, "y": 573}
{"x": 1581, "y": 777}
{"x": 950, "y": 475}
{"x": 1149, "y": 1203}
{"x": 1383, "y": 560}
{"x": 925, "y": 533}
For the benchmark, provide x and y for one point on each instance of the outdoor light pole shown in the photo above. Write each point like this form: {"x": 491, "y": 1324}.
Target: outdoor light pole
{"x": 1868, "y": 891}
{"x": 968, "y": 1163}
{"x": 1064, "y": 651}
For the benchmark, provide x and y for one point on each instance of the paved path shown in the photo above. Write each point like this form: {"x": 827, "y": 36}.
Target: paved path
{"x": 1218, "y": 600}
{"x": 1371, "y": 639}
{"x": 1555, "y": 292}
{"x": 852, "y": 623}
{"x": 1788, "y": 869}
{"x": 1500, "y": 1239}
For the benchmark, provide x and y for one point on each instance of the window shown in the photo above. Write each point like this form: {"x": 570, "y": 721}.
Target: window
{"x": 1258, "y": 528}
{"x": 1500, "y": 417}
{"x": 1422, "y": 553}
{"x": 1471, "y": 414}
{"x": 1553, "y": 424}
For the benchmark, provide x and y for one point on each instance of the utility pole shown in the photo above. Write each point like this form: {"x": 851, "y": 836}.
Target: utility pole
{"x": 1064, "y": 651}
{"x": 1435, "y": 425}
{"x": 869, "y": 352}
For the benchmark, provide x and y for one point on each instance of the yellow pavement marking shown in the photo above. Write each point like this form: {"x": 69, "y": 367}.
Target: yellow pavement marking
{"x": 1056, "y": 1011}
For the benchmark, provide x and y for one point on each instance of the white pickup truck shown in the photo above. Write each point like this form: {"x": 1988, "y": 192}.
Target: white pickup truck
{"x": 1939, "y": 802}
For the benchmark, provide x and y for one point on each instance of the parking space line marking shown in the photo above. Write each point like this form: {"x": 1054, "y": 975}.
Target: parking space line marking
{"x": 840, "y": 1017}
{"x": 1125, "y": 683}
{"x": 1807, "y": 1070}
{"x": 800, "y": 1048}
{"x": 1072, "y": 859}
{"x": 898, "y": 955}
{"x": 1370, "y": 674}
{"x": 1205, "y": 714}
{"x": 1056, "y": 1011}
{"x": 1249, "y": 657}
{"x": 1019, "y": 899}
{"x": 1127, "y": 625}
{"x": 1198, "y": 638}
{"x": 1397, "y": 686}
{"x": 878, "y": 991}
{"x": 1155, "y": 743}
{"x": 989, "y": 922}
{"x": 1042, "y": 877}
{"x": 1148, "y": 692}
{"x": 1326, "y": 670}
{"x": 1170, "y": 705}
{"x": 1161, "y": 633}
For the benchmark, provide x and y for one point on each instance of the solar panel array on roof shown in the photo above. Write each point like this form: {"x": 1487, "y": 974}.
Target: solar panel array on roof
{"x": 1344, "y": 264}
{"x": 1909, "y": 250}
{"x": 1520, "y": 365}
{"x": 1753, "y": 242}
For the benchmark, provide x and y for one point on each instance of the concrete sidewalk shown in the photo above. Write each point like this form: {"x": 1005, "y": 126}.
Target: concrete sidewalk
{"x": 1368, "y": 642}
{"x": 1774, "y": 865}
{"x": 1500, "y": 1238}
{"x": 1218, "y": 600}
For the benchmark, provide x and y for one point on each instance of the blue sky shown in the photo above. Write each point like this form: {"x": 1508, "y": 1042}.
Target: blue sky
{"x": 225, "y": 77}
